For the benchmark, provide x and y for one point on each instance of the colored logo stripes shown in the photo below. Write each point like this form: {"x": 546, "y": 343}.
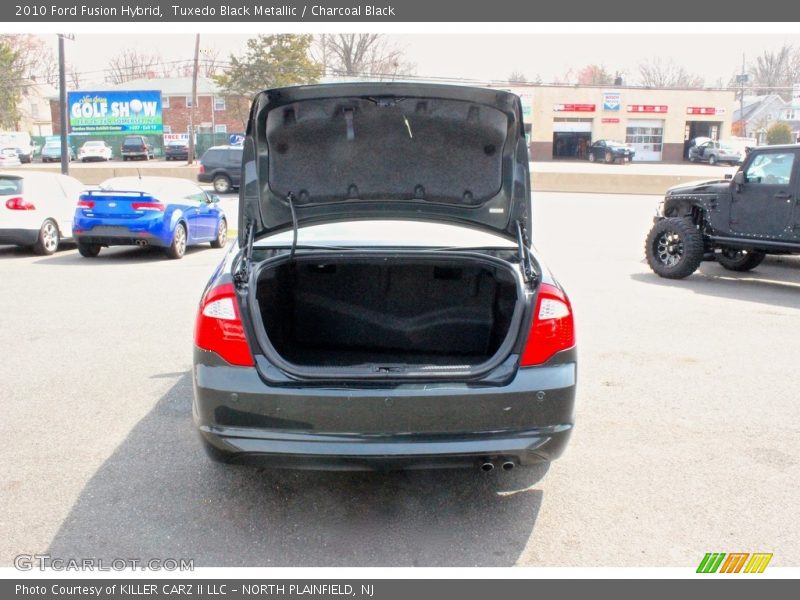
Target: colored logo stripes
{"x": 734, "y": 562}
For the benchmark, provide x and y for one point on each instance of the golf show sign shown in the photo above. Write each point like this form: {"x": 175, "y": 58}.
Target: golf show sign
{"x": 115, "y": 112}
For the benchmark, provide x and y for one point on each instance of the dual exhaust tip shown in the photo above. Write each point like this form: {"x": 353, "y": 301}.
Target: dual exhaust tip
{"x": 506, "y": 465}
{"x": 142, "y": 243}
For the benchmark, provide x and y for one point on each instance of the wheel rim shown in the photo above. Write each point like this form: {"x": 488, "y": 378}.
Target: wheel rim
{"x": 221, "y": 185}
{"x": 180, "y": 240}
{"x": 49, "y": 236}
{"x": 222, "y": 233}
{"x": 669, "y": 248}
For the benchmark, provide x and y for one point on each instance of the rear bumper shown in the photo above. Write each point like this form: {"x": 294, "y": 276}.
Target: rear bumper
{"x": 242, "y": 419}
{"x": 121, "y": 232}
{"x": 19, "y": 237}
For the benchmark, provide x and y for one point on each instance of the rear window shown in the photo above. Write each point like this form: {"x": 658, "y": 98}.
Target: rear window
{"x": 10, "y": 185}
{"x": 132, "y": 142}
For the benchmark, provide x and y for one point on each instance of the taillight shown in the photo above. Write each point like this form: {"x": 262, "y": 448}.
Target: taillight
{"x": 19, "y": 203}
{"x": 219, "y": 328}
{"x": 85, "y": 203}
{"x": 201, "y": 169}
{"x": 148, "y": 206}
{"x": 553, "y": 327}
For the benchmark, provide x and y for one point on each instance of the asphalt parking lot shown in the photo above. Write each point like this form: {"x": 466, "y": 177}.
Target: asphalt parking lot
{"x": 687, "y": 438}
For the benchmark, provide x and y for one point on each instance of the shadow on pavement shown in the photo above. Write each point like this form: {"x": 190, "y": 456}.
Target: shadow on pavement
{"x": 158, "y": 496}
{"x": 775, "y": 282}
{"x": 117, "y": 254}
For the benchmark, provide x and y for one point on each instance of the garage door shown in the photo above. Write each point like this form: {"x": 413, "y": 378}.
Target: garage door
{"x": 572, "y": 126}
{"x": 646, "y": 136}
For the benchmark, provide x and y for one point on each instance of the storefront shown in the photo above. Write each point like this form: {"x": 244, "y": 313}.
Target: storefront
{"x": 658, "y": 123}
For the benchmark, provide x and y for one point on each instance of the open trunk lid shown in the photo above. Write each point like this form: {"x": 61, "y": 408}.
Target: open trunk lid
{"x": 385, "y": 151}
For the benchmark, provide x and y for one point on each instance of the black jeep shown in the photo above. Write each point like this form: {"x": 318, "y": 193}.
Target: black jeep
{"x": 733, "y": 221}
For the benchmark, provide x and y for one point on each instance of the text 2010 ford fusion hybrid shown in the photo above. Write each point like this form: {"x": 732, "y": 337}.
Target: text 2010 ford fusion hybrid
{"x": 382, "y": 307}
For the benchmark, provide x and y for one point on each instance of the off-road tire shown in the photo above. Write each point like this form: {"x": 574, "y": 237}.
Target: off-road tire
{"x": 674, "y": 248}
{"x": 740, "y": 260}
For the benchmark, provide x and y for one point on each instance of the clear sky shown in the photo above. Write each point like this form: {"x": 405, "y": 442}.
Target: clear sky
{"x": 479, "y": 56}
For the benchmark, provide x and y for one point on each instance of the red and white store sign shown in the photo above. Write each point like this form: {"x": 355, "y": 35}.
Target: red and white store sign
{"x": 647, "y": 108}
{"x": 704, "y": 110}
{"x": 609, "y": 120}
{"x": 574, "y": 107}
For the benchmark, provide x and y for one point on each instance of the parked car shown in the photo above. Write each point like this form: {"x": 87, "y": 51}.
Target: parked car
{"x": 51, "y": 152}
{"x": 36, "y": 209}
{"x": 95, "y": 150}
{"x": 714, "y": 152}
{"x": 610, "y": 151}
{"x": 165, "y": 212}
{"x": 382, "y": 306}
{"x": 221, "y": 166}
{"x": 733, "y": 221}
{"x": 176, "y": 150}
{"x": 25, "y": 155}
{"x": 136, "y": 146}
{"x": 9, "y": 157}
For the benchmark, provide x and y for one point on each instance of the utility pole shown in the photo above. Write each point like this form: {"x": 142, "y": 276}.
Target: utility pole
{"x": 62, "y": 100}
{"x": 194, "y": 98}
{"x": 742, "y": 79}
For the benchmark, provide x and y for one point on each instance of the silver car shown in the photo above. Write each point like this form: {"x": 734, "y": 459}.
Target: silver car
{"x": 714, "y": 152}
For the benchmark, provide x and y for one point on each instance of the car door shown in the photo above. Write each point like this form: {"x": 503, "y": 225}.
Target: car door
{"x": 234, "y": 165}
{"x": 763, "y": 205}
{"x": 598, "y": 149}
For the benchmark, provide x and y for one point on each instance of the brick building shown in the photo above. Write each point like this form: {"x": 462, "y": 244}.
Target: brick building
{"x": 215, "y": 112}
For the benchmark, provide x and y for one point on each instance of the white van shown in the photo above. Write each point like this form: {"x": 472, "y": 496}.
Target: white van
{"x": 36, "y": 209}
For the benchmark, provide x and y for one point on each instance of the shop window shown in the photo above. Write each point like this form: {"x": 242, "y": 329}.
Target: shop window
{"x": 220, "y": 129}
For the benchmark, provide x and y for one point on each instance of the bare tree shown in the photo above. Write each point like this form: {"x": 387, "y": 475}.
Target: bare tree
{"x": 659, "y": 73}
{"x": 131, "y": 64}
{"x": 517, "y": 77}
{"x": 209, "y": 62}
{"x": 774, "y": 69}
{"x": 361, "y": 54}
{"x": 595, "y": 75}
{"x": 74, "y": 78}
{"x": 35, "y": 58}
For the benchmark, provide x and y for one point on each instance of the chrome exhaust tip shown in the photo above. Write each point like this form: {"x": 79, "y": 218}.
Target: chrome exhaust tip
{"x": 508, "y": 465}
{"x": 486, "y": 467}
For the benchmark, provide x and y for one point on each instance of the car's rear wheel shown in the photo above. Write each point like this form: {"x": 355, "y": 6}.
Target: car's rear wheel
{"x": 222, "y": 234}
{"x": 609, "y": 158}
{"x": 47, "y": 241}
{"x": 674, "y": 248}
{"x": 740, "y": 260}
{"x": 88, "y": 250}
{"x": 178, "y": 246}
{"x": 712, "y": 160}
{"x": 222, "y": 184}
{"x": 591, "y": 157}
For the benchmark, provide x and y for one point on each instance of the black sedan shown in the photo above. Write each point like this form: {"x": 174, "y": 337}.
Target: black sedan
{"x": 357, "y": 328}
{"x": 176, "y": 150}
{"x": 609, "y": 151}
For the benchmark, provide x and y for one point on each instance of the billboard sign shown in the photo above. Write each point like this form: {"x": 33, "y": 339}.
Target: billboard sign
{"x": 109, "y": 112}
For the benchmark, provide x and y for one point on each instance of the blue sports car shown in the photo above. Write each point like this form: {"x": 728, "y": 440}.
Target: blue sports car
{"x": 165, "y": 212}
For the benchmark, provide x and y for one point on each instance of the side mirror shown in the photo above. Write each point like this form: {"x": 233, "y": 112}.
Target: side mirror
{"x": 738, "y": 180}
{"x": 212, "y": 198}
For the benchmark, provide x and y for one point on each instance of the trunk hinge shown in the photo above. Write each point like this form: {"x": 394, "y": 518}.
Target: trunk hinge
{"x": 242, "y": 275}
{"x": 524, "y": 253}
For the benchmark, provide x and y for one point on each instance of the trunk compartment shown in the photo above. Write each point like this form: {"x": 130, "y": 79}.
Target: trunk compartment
{"x": 382, "y": 312}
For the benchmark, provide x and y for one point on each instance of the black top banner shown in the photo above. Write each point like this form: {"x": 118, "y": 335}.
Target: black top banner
{"x": 395, "y": 11}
